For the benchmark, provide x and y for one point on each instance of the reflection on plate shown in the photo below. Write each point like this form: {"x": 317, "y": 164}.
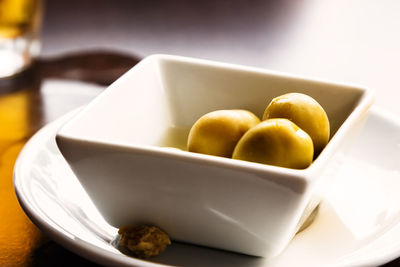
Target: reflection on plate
{"x": 358, "y": 221}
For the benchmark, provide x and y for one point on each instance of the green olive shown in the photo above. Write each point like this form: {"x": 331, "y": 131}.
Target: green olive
{"x": 305, "y": 112}
{"x": 217, "y": 133}
{"x": 277, "y": 142}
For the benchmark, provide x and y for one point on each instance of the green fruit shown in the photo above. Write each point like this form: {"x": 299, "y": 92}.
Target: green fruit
{"x": 277, "y": 142}
{"x": 218, "y": 132}
{"x": 305, "y": 112}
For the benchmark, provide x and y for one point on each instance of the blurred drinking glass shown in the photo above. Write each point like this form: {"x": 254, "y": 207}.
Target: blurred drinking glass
{"x": 20, "y": 22}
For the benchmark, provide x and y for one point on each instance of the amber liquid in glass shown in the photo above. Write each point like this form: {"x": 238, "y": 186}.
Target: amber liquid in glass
{"x": 17, "y": 17}
{"x": 19, "y": 27}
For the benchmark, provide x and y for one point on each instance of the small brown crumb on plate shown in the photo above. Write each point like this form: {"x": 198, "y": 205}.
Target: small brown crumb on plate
{"x": 143, "y": 241}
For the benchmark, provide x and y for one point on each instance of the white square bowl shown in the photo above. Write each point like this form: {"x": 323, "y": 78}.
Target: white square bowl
{"x": 118, "y": 148}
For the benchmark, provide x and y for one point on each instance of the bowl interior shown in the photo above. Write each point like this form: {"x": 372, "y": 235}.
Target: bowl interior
{"x": 157, "y": 101}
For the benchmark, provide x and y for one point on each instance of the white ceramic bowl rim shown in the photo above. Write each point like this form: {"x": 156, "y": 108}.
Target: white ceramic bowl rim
{"x": 364, "y": 104}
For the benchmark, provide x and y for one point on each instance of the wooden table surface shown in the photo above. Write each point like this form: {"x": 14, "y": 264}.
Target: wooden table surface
{"x": 350, "y": 41}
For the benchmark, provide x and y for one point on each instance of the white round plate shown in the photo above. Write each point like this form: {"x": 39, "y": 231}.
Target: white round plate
{"x": 358, "y": 222}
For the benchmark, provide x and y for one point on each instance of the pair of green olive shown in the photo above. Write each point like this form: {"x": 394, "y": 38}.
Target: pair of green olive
{"x": 295, "y": 128}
